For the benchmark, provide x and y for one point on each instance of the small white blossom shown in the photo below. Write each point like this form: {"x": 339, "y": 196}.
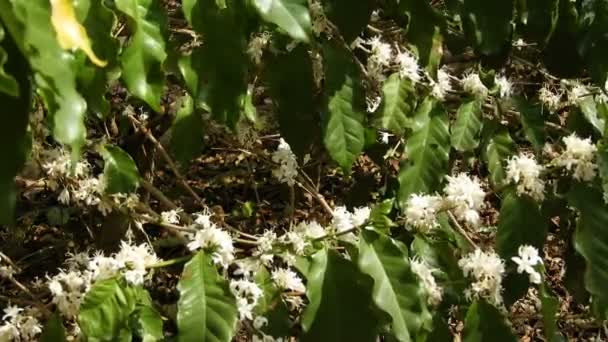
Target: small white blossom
{"x": 519, "y": 44}
{"x": 504, "y": 86}
{"x": 487, "y": 269}
{"x": 579, "y": 155}
{"x": 425, "y": 274}
{"x": 472, "y": 84}
{"x": 171, "y": 216}
{"x": 524, "y": 171}
{"x": 526, "y": 260}
{"x": 247, "y": 294}
{"x": 259, "y": 322}
{"x": 7, "y": 271}
{"x": 442, "y": 86}
{"x": 288, "y": 165}
{"x": 577, "y": 93}
{"x": 310, "y": 230}
{"x": 264, "y": 247}
{"x": 297, "y": 241}
{"x": 408, "y": 66}
{"x": 257, "y": 45}
{"x": 287, "y": 279}
{"x": 216, "y": 241}
{"x": 381, "y": 52}
{"x": 295, "y": 302}
{"x": 133, "y": 259}
{"x": 9, "y": 332}
{"x": 361, "y": 215}
{"x": 421, "y": 211}
{"x": 103, "y": 267}
{"x": 384, "y": 136}
{"x": 465, "y": 196}
{"x": 373, "y": 103}
{"x": 549, "y": 99}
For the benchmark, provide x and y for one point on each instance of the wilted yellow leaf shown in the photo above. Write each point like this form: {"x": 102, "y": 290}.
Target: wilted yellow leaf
{"x": 71, "y": 35}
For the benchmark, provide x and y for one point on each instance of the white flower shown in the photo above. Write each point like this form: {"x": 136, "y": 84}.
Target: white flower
{"x": 247, "y": 267}
{"x": 68, "y": 290}
{"x": 342, "y": 219}
{"x": 287, "y": 279}
{"x": 422, "y": 270}
{"x": 384, "y": 136}
{"x": 504, "y": 86}
{"x": 549, "y": 99}
{"x": 519, "y": 44}
{"x": 9, "y": 332}
{"x": 373, "y": 103}
{"x": 12, "y": 313}
{"x": 295, "y": 302}
{"x": 259, "y": 322}
{"x": 171, "y": 216}
{"x": 29, "y": 327}
{"x": 133, "y": 260}
{"x": 103, "y": 267}
{"x": 310, "y": 230}
{"x": 203, "y": 218}
{"x": 487, "y": 269}
{"x": 361, "y": 215}
{"x": 421, "y": 211}
{"x": 297, "y": 241}
{"x": 524, "y": 171}
{"x": 247, "y": 294}
{"x": 526, "y": 260}
{"x": 442, "y": 86}
{"x": 257, "y": 45}
{"x": 408, "y": 66}
{"x": 576, "y": 93}
{"x": 88, "y": 191}
{"x": 381, "y": 52}
{"x": 472, "y": 84}
{"x": 64, "y": 196}
{"x": 465, "y": 196}
{"x": 7, "y": 271}
{"x": 580, "y": 155}
{"x": 217, "y": 241}
{"x": 288, "y": 165}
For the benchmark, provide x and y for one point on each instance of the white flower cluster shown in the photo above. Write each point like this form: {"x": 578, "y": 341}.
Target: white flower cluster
{"x": 524, "y": 171}
{"x": 526, "y": 260}
{"x": 487, "y": 269}
{"x": 421, "y": 212}
{"x": 286, "y": 279}
{"x": 505, "y": 88}
{"x": 577, "y": 93}
{"x": 317, "y": 16}
{"x": 343, "y": 220}
{"x": 408, "y": 66}
{"x": 550, "y": 99}
{"x": 472, "y": 84}
{"x": 425, "y": 274}
{"x": 382, "y": 56}
{"x": 256, "y": 47}
{"x": 247, "y": 294}
{"x": 464, "y": 195}
{"x": 210, "y": 238}
{"x": 302, "y": 235}
{"x": 579, "y": 155}
{"x": 288, "y": 165}
{"x": 19, "y": 325}
{"x": 6, "y": 271}
{"x": 442, "y": 86}
{"x": 171, "y": 216}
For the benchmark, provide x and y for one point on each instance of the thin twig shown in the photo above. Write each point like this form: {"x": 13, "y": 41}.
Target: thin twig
{"x": 461, "y": 230}
{"x": 154, "y": 191}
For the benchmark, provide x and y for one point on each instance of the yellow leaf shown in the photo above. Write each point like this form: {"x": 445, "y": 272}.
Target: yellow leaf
{"x": 71, "y": 35}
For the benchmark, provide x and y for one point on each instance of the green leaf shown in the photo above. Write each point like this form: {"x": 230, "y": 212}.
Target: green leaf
{"x": 379, "y": 218}
{"x": 220, "y": 64}
{"x": 28, "y": 22}
{"x": 424, "y": 26}
{"x": 589, "y": 108}
{"x": 498, "y": 148}
{"x": 290, "y": 15}
{"x": 119, "y": 172}
{"x": 344, "y": 135}
{"x": 520, "y": 223}
{"x": 104, "y": 313}
{"x": 149, "y": 323}
{"x": 8, "y": 83}
{"x": 538, "y": 19}
{"x": 186, "y": 132}
{"x": 53, "y": 330}
{"x": 427, "y": 152}
{"x": 14, "y": 139}
{"x": 272, "y": 306}
{"x": 206, "y": 307}
{"x": 488, "y": 27}
{"x": 549, "y": 309}
{"x": 398, "y": 104}
{"x": 466, "y": 128}
{"x": 396, "y": 288}
{"x": 291, "y": 84}
{"x": 602, "y": 160}
{"x": 351, "y": 17}
{"x": 591, "y": 241}
{"x": 484, "y": 323}
{"x": 143, "y": 58}
{"x": 333, "y": 314}
{"x": 92, "y": 81}
{"x": 532, "y": 122}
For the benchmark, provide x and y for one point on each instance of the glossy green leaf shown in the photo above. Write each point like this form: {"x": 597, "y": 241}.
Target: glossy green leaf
{"x": 92, "y": 81}
{"x": 350, "y": 17}
{"x": 591, "y": 241}
{"x": 589, "y": 109}
{"x": 427, "y": 152}
{"x": 120, "y": 172}
{"x": 593, "y": 42}
{"x": 206, "y": 307}
{"x": 8, "y": 83}
{"x": 532, "y": 122}
{"x": 424, "y": 26}
{"x": 290, "y": 15}
{"x": 484, "y": 323}
{"x": 14, "y": 140}
{"x": 28, "y": 22}
{"x": 143, "y": 57}
{"x": 149, "y": 324}
{"x": 291, "y": 84}
{"x": 549, "y": 309}
{"x": 520, "y": 223}
{"x": 379, "y": 216}
{"x": 186, "y": 132}
{"x": 344, "y": 135}
{"x": 488, "y": 27}
{"x": 53, "y": 330}
{"x": 104, "y": 313}
{"x": 332, "y": 314}
{"x": 498, "y": 148}
{"x": 398, "y": 105}
{"x": 220, "y": 64}
{"x": 396, "y": 288}
{"x": 465, "y": 130}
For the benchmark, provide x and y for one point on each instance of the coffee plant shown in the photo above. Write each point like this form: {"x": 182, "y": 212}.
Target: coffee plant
{"x": 413, "y": 170}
